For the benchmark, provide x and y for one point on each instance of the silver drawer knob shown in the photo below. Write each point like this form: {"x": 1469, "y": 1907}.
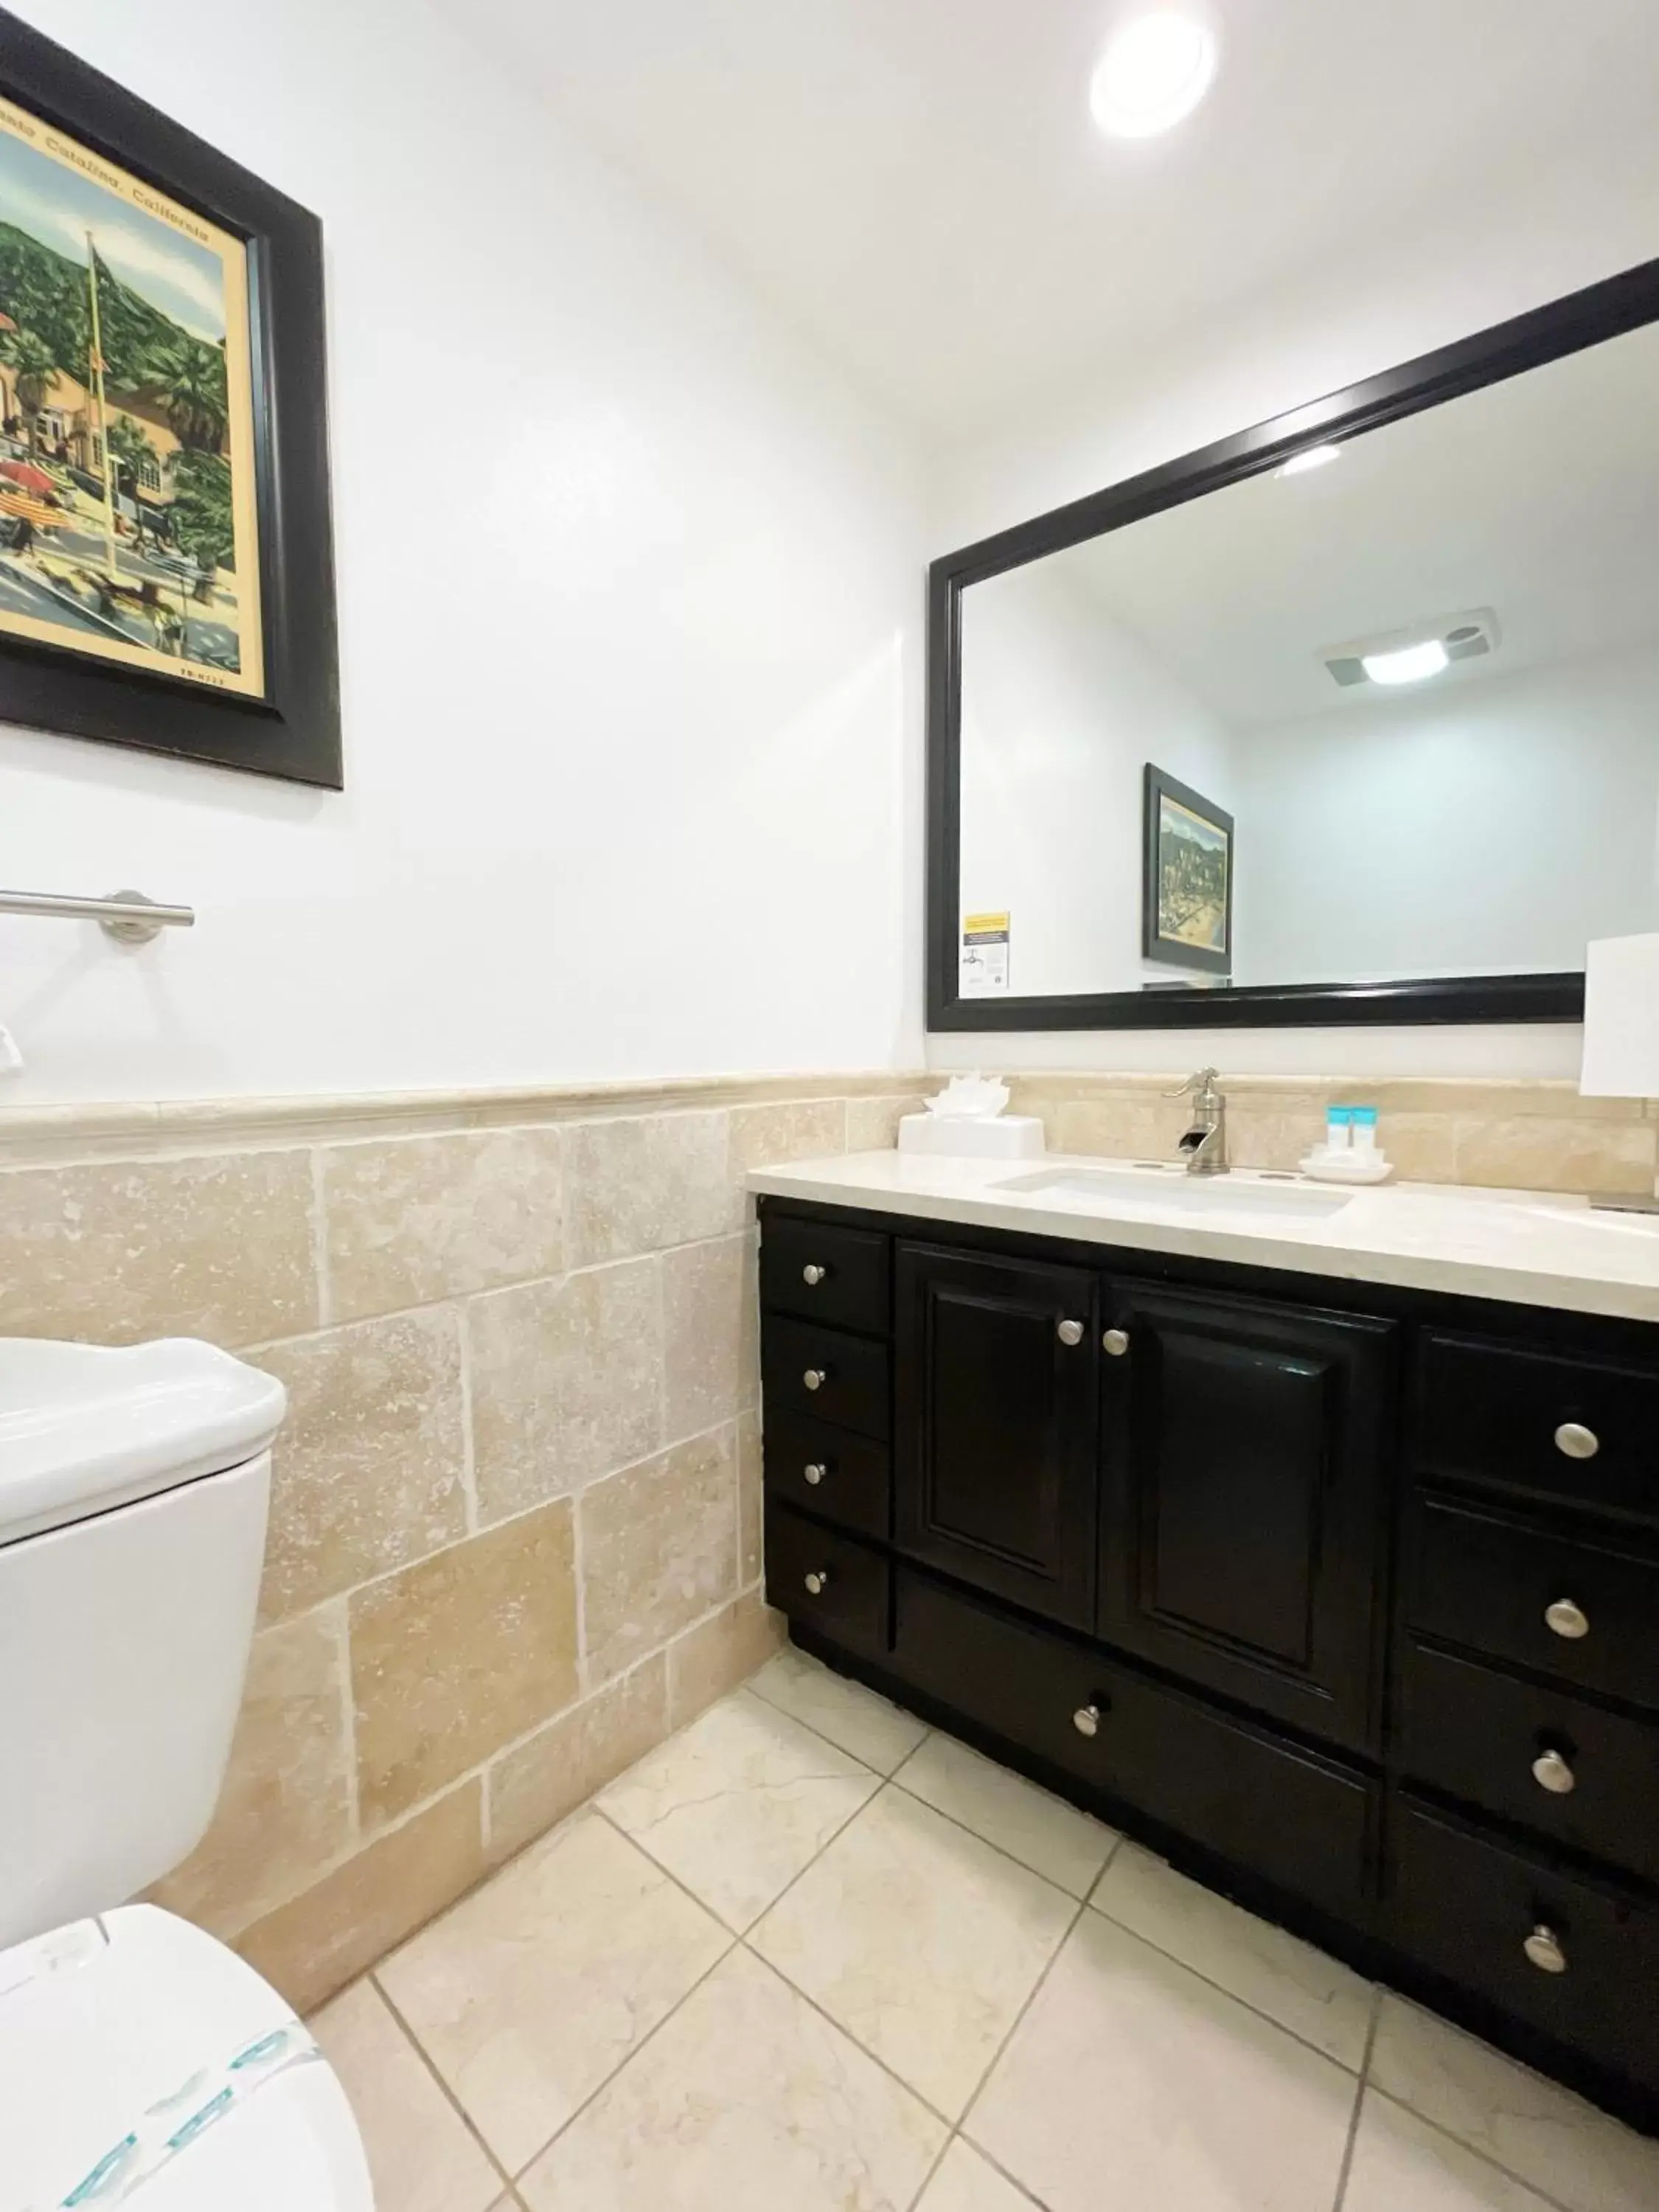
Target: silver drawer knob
{"x": 1543, "y": 1947}
{"x": 1551, "y": 1772}
{"x": 816, "y": 1377}
{"x": 1069, "y": 1332}
{"x": 1086, "y": 1720}
{"x": 812, "y": 1275}
{"x": 1564, "y": 1618}
{"x": 815, "y": 1473}
{"x": 1116, "y": 1342}
{"x": 1576, "y": 1441}
{"x": 817, "y": 1582}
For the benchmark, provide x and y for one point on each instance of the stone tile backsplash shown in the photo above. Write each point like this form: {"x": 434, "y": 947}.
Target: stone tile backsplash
{"x": 516, "y": 1518}
{"x": 1511, "y": 1135}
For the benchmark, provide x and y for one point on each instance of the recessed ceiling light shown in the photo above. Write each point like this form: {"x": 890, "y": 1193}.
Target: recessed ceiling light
{"x": 1311, "y": 457}
{"x": 1156, "y": 68}
{"x": 1411, "y": 663}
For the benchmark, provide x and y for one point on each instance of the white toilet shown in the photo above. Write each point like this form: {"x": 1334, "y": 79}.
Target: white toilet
{"x": 139, "y": 2059}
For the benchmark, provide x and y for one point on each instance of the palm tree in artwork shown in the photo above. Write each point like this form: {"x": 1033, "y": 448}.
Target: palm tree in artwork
{"x": 33, "y": 364}
{"x": 196, "y": 400}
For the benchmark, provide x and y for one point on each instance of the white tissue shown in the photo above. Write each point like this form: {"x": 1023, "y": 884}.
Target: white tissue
{"x": 970, "y": 1097}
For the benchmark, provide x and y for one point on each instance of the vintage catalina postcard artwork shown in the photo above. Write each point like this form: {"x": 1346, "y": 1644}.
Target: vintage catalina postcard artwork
{"x": 128, "y": 525}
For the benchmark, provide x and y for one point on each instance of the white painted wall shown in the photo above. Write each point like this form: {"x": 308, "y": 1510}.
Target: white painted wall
{"x": 1494, "y": 826}
{"x": 1062, "y": 710}
{"x": 646, "y": 800}
{"x": 1393, "y": 295}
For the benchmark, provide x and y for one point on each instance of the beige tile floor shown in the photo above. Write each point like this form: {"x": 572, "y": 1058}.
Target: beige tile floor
{"x": 811, "y": 1957}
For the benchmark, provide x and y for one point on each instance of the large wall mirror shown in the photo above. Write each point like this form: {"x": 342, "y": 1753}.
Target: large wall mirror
{"x": 1353, "y": 717}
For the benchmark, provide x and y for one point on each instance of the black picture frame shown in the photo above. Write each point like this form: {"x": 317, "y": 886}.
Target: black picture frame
{"x": 1606, "y": 310}
{"x": 1155, "y": 942}
{"x": 293, "y": 731}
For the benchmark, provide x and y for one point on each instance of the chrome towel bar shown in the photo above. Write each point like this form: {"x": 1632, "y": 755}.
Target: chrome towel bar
{"x": 127, "y": 916}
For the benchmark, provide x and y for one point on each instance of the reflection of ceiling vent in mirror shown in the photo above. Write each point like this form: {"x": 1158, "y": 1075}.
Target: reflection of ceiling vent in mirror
{"x": 1467, "y": 636}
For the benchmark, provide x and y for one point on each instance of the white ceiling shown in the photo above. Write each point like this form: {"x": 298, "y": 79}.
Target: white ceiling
{"x": 917, "y": 184}
{"x": 1538, "y": 497}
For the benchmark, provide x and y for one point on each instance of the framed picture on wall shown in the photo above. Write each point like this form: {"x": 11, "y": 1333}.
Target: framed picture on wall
{"x": 166, "y": 574}
{"x": 1187, "y": 905}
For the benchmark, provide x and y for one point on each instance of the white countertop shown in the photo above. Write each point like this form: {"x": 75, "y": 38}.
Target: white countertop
{"x": 1526, "y": 1247}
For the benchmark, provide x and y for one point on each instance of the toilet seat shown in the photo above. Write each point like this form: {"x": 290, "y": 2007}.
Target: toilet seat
{"x": 146, "y": 2064}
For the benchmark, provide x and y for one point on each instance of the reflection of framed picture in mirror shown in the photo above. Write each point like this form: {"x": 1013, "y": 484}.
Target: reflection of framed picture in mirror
{"x": 1187, "y": 900}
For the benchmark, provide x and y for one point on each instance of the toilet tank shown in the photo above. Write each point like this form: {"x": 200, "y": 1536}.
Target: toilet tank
{"x": 134, "y": 1485}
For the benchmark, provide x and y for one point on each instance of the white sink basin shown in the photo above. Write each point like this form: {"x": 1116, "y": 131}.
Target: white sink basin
{"x": 1165, "y": 1191}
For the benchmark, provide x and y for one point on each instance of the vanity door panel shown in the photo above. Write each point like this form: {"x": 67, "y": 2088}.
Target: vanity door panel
{"x": 997, "y": 1405}
{"x": 1246, "y": 1449}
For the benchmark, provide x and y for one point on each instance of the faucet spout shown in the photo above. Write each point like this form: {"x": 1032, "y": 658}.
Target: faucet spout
{"x": 1205, "y": 1143}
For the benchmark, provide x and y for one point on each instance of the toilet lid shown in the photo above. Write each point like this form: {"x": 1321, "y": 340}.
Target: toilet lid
{"x": 87, "y": 1427}
{"x": 144, "y": 2064}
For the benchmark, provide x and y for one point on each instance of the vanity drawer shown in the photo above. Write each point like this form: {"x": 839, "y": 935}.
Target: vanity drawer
{"x": 829, "y": 1582}
{"x": 1492, "y": 1583}
{"x": 834, "y": 1472}
{"x": 1478, "y": 1734}
{"x": 822, "y": 1273}
{"x": 850, "y": 1391}
{"x": 1510, "y": 1416}
{"x": 1297, "y": 1821}
{"x": 1466, "y": 1907}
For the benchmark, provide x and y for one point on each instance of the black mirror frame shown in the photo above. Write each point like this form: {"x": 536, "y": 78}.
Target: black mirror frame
{"x": 1606, "y": 310}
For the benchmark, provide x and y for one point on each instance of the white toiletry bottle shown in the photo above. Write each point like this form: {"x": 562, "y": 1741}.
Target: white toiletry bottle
{"x": 1364, "y": 1129}
{"x": 1338, "y": 1128}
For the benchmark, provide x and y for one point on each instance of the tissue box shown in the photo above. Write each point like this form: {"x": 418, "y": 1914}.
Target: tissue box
{"x": 972, "y": 1136}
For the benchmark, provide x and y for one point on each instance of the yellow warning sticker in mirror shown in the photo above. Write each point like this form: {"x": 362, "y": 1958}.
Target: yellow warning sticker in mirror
{"x": 983, "y": 965}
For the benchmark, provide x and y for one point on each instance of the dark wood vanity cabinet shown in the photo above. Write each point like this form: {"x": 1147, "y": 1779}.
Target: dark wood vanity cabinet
{"x": 1345, "y": 1598}
{"x": 997, "y": 1406}
{"x": 1246, "y": 1444}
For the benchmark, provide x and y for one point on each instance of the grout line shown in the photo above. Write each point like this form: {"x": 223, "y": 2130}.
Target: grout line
{"x": 916, "y": 1798}
{"x": 1210, "y": 1982}
{"x": 467, "y": 1438}
{"x": 841, "y": 2029}
{"x": 426, "y": 2059}
{"x": 661, "y": 1310}
{"x": 1014, "y": 2025}
{"x": 319, "y": 1242}
{"x": 927, "y": 2179}
{"x": 347, "y": 1734}
{"x": 1346, "y": 2166}
{"x": 505, "y": 1520}
{"x": 1024, "y": 2193}
{"x": 736, "y": 1425}
{"x": 628, "y": 2057}
{"x": 480, "y": 1774}
{"x": 469, "y": 1446}
{"x": 579, "y": 1578}
{"x": 738, "y": 1934}
{"x": 1372, "y": 2032}
{"x": 557, "y": 1279}
{"x": 1470, "y": 2150}
{"x": 593, "y": 1806}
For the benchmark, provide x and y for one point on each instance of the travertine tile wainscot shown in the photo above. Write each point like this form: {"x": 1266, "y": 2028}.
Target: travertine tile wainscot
{"x": 515, "y": 1526}
{"x": 515, "y": 1519}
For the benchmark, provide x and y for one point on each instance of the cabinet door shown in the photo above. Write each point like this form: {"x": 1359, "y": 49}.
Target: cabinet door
{"x": 1241, "y": 1539}
{"x": 998, "y": 1405}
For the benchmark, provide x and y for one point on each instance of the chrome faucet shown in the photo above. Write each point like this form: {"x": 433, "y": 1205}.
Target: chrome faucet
{"x": 1205, "y": 1142}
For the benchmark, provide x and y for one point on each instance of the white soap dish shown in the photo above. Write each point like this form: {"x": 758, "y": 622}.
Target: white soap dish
{"x": 1323, "y": 1166}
